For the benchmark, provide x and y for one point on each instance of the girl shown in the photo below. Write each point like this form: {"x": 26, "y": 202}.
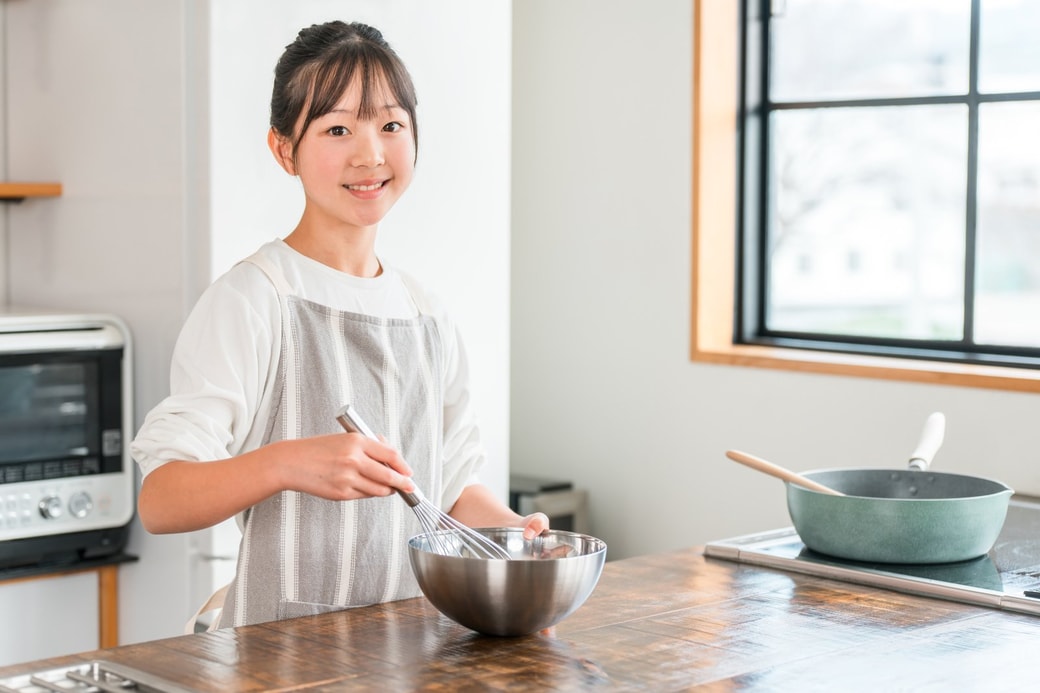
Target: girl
{"x": 276, "y": 346}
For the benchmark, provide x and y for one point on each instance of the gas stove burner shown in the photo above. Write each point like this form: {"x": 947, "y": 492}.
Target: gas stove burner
{"x": 92, "y": 677}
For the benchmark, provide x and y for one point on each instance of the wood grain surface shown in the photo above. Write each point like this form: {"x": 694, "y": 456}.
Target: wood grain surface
{"x": 671, "y": 621}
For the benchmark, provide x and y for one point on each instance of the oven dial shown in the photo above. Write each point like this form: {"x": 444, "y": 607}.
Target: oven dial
{"x": 50, "y": 507}
{"x": 80, "y": 504}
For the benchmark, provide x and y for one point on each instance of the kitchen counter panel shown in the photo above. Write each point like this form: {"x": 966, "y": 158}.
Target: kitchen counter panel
{"x": 662, "y": 622}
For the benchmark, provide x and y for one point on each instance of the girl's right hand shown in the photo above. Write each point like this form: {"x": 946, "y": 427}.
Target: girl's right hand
{"x": 184, "y": 496}
{"x": 342, "y": 466}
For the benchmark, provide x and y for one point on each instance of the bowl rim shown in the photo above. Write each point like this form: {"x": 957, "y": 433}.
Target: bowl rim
{"x": 600, "y": 546}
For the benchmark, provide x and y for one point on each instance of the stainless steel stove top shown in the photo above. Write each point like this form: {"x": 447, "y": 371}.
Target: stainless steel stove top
{"x": 91, "y": 677}
{"x": 1008, "y": 577}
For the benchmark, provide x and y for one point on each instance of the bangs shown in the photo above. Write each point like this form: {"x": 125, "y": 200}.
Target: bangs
{"x": 381, "y": 79}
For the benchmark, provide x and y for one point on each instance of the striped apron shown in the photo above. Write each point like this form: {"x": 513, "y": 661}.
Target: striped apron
{"x": 300, "y": 554}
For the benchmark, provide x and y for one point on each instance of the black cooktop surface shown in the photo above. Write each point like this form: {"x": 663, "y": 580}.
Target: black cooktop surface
{"x": 1007, "y": 577}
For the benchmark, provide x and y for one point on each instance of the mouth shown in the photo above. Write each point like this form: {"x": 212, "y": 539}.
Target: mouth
{"x": 365, "y": 187}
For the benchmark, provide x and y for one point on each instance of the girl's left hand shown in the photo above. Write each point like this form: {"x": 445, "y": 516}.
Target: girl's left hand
{"x": 534, "y": 524}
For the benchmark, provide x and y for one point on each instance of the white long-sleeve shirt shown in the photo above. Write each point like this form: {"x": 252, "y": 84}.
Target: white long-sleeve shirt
{"x": 227, "y": 354}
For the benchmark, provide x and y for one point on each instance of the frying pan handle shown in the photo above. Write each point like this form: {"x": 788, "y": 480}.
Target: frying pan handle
{"x": 930, "y": 442}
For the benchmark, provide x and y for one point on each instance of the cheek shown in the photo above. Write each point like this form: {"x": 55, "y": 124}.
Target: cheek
{"x": 317, "y": 164}
{"x": 404, "y": 161}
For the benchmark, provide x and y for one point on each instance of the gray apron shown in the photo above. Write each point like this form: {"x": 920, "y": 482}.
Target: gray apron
{"x": 303, "y": 555}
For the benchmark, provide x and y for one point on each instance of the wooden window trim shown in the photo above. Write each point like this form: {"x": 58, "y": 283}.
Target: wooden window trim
{"x": 716, "y": 81}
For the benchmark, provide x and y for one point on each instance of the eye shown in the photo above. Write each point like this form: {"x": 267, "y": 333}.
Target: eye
{"x": 393, "y": 126}
{"x": 338, "y": 131}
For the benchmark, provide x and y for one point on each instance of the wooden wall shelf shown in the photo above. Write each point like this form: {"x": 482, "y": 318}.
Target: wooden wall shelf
{"x": 16, "y": 192}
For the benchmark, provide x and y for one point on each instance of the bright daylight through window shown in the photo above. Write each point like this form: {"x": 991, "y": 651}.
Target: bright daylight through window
{"x": 890, "y": 178}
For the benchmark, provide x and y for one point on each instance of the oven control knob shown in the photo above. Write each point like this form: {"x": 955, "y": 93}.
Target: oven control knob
{"x": 80, "y": 504}
{"x": 50, "y": 507}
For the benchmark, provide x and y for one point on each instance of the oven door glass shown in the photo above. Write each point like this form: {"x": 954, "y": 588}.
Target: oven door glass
{"x": 49, "y": 415}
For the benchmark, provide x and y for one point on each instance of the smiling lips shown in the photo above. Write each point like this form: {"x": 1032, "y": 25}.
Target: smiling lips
{"x": 365, "y": 188}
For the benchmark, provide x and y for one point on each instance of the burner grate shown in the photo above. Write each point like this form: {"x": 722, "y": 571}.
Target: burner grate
{"x": 92, "y": 677}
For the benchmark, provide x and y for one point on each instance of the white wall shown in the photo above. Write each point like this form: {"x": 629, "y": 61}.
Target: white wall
{"x": 603, "y": 391}
{"x": 153, "y": 116}
{"x": 95, "y": 94}
{"x": 4, "y": 211}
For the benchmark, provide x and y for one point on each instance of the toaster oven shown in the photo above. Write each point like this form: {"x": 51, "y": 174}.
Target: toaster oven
{"x": 66, "y": 477}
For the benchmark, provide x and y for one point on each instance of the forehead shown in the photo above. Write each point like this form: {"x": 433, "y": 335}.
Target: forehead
{"x": 365, "y": 100}
{"x": 362, "y": 88}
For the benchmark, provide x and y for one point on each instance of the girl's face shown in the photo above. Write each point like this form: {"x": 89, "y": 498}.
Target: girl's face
{"x": 352, "y": 170}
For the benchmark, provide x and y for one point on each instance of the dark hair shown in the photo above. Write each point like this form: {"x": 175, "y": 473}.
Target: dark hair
{"x": 321, "y": 63}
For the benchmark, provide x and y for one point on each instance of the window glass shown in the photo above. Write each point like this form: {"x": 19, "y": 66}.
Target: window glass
{"x": 891, "y": 178}
{"x": 866, "y": 221}
{"x": 1007, "y": 298}
{"x": 1009, "y": 48}
{"x": 839, "y": 49}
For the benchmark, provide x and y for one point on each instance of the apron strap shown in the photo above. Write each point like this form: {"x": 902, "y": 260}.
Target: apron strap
{"x": 422, "y": 302}
{"x": 214, "y": 603}
{"x": 273, "y": 273}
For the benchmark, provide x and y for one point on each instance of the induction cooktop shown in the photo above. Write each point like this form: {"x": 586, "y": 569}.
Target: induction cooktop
{"x": 1008, "y": 577}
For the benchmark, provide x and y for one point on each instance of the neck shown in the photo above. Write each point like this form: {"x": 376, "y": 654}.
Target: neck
{"x": 349, "y": 252}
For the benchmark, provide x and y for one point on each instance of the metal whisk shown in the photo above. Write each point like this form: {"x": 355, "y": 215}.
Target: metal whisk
{"x": 445, "y": 535}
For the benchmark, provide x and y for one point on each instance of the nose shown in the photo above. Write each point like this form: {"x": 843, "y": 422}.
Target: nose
{"x": 368, "y": 149}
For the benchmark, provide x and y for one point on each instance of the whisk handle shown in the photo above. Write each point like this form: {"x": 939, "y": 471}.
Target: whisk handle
{"x": 412, "y": 499}
{"x": 352, "y": 422}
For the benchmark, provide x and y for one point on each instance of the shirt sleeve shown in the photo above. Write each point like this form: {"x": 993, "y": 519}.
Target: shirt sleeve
{"x": 222, "y": 361}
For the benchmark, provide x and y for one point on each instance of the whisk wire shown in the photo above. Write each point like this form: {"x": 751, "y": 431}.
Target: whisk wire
{"x": 445, "y": 535}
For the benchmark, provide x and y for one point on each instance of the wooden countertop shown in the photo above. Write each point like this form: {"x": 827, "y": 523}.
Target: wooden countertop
{"x": 662, "y": 622}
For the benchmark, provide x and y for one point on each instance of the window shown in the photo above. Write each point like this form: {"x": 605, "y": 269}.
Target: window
{"x": 875, "y": 129}
{"x": 887, "y": 188}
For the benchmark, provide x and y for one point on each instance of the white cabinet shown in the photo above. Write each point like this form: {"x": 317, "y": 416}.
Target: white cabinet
{"x": 47, "y": 616}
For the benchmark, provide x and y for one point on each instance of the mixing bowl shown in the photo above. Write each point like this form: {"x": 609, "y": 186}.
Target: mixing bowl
{"x": 546, "y": 580}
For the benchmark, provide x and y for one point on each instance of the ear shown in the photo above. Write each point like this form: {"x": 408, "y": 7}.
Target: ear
{"x": 282, "y": 150}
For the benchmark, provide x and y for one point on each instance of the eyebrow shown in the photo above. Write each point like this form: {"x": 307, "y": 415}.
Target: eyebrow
{"x": 387, "y": 107}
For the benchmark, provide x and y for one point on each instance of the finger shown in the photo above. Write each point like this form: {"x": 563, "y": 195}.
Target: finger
{"x": 535, "y": 524}
{"x": 368, "y": 488}
{"x": 374, "y": 480}
{"x": 390, "y": 477}
{"x": 382, "y": 452}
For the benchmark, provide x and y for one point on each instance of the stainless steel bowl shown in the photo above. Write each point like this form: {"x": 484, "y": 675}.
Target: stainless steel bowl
{"x": 546, "y": 580}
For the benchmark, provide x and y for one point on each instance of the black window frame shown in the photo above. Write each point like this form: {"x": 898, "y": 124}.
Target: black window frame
{"x": 752, "y": 268}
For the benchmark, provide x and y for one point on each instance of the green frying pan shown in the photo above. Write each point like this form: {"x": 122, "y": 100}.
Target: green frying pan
{"x": 896, "y": 515}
